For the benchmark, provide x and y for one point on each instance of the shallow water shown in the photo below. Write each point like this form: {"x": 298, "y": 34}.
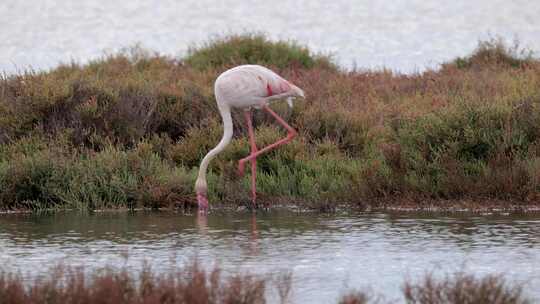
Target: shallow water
{"x": 404, "y": 35}
{"x": 328, "y": 254}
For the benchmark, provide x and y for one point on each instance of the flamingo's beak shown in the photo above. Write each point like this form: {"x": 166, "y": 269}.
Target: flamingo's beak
{"x": 289, "y": 102}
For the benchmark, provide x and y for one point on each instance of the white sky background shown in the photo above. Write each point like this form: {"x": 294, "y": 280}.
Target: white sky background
{"x": 403, "y": 35}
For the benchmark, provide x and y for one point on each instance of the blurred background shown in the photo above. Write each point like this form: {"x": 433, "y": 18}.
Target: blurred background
{"x": 406, "y": 36}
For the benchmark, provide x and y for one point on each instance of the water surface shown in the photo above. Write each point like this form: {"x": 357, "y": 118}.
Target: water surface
{"x": 328, "y": 254}
{"x": 404, "y": 35}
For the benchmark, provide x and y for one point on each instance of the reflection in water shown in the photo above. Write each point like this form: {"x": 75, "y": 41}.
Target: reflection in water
{"x": 202, "y": 223}
{"x": 254, "y": 239}
{"x": 328, "y": 254}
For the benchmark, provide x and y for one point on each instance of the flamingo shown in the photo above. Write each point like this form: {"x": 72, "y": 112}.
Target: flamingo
{"x": 246, "y": 87}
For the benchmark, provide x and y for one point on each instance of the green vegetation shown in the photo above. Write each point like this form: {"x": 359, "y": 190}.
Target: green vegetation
{"x": 129, "y": 130}
{"x": 254, "y": 49}
{"x": 495, "y": 52}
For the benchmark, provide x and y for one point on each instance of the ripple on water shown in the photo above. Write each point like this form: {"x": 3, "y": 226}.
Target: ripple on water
{"x": 327, "y": 254}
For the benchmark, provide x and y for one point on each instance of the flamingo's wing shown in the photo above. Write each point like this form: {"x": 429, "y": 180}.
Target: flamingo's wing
{"x": 251, "y": 85}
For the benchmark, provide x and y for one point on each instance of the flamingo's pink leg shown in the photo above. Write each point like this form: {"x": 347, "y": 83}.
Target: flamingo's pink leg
{"x": 292, "y": 133}
{"x": 247, "y": 115}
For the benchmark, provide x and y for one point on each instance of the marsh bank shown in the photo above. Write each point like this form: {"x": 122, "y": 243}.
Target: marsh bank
{"x": 129, "y": 130}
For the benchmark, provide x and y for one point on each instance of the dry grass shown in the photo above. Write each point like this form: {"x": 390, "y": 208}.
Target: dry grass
{"x": 189, "y": 285}
{"x": 355, "y": 297}
{"x": 464, "y": 289}
{"x": 192, "y": 284}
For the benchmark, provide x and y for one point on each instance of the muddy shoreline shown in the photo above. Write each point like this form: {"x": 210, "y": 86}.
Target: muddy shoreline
{"x": 433, "y": 207}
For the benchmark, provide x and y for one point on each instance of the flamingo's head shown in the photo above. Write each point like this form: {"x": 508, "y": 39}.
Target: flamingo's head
{"x": 202, "y": 197}
{"x": 296, "y": 92}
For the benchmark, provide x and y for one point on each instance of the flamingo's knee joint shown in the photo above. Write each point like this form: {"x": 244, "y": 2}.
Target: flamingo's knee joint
{"x": 291, "y": 135}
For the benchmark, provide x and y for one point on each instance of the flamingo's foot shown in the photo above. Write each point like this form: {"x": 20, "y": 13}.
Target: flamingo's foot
{"x": 203, "y": 203}
{"x": 241, "y": 167}
{"x": 253, "y": 206}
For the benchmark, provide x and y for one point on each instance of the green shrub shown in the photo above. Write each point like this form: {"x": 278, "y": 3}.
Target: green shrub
{"x": 494, "y": 53}
{"x": 254, "y": 49}
{"x": 111, "y": 178}
{"x": 464, "y": 151}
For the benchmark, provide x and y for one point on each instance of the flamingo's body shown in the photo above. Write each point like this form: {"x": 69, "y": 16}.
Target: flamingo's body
{"x": 246, "y": 87}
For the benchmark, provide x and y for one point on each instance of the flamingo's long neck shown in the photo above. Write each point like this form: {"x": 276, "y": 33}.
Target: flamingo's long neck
{"x": 200, "y": 185}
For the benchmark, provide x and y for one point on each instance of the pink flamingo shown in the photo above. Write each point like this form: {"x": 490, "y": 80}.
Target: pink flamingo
{"x": 246, "y": 87}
